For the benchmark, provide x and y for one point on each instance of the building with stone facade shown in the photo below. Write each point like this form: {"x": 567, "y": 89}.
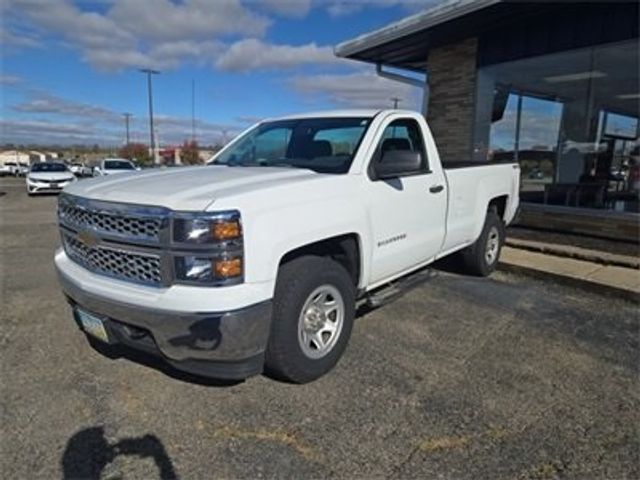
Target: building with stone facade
{"x": 551, "y": 85}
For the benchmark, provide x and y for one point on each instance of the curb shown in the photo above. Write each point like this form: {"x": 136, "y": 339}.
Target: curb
{"x": 602, "y": 258}
{"x": 583, "y": 284}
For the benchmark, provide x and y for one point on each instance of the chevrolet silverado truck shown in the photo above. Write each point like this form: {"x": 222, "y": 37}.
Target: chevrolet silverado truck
{"x": 256, "y": 262}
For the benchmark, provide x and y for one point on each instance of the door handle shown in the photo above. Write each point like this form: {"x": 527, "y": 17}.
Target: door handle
{"x": 436, "y": 188}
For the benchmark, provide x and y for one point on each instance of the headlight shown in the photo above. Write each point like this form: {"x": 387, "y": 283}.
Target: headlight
{"x": 208, "y": 270}
{"x": 207, "y": 228}
{"x": 215, "y": 248}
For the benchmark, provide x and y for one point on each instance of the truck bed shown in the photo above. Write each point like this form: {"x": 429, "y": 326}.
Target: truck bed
{"x": 471, "y": 186}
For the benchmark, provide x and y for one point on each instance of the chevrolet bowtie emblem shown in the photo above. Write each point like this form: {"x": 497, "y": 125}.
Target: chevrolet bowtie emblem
{"x": 88, "y": 238}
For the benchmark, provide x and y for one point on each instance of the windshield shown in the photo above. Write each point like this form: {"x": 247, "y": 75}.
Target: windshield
{"x": 118, "y": 165}
{"x": 325, "y": 145}
{"x": 48, "y": 167}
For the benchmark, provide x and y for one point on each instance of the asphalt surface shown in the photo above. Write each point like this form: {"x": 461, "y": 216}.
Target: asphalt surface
{"x": 505, "y": 377}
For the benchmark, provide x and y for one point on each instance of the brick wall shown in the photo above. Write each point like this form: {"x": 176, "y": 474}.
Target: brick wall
{"x": 452, "y": 77}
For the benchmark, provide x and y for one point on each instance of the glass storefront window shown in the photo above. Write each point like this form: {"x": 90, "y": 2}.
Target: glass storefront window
{"x": 571, "y": 120}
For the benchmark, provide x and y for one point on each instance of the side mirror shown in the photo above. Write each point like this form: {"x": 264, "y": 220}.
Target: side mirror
{"x": 395, "y": 163}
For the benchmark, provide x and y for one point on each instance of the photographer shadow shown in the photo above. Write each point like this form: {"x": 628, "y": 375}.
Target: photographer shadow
{"x": 88, "y": 453}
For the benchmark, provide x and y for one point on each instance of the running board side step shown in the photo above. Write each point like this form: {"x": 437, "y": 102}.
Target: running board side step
{"x": 398, "y": 288}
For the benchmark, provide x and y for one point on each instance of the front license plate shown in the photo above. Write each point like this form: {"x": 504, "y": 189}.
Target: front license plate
{"x": 93, "y": 325}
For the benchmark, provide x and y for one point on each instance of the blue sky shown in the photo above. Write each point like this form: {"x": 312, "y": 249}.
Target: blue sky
{"x": 69, "y": 69}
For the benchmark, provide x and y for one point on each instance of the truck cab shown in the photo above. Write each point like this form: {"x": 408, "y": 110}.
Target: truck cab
{"x": 255, "y": 263}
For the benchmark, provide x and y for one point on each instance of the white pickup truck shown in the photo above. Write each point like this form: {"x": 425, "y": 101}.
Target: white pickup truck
{"x": 256, "y": 262}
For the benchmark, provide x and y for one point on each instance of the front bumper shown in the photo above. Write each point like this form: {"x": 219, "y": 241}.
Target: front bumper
{"x": 226, "y": 344}
{"x": 46, "y": 187}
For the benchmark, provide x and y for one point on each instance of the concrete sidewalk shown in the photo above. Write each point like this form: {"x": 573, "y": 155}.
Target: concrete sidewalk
{"x": 579, "y": 253}
{"x": 596, "y": 270}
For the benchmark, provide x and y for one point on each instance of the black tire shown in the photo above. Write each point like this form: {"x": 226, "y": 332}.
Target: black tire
{"x": 475, "y": 257}
{"x": 297, "y": 280}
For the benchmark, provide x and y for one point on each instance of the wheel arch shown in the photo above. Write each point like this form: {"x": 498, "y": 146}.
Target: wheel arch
{"x": 346, "y": 249}
{"x": 499, "y": 205}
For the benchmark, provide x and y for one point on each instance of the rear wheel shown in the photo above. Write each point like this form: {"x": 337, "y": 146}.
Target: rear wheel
{"x": 314, "y": 307}
{"x": 482, "y": 257}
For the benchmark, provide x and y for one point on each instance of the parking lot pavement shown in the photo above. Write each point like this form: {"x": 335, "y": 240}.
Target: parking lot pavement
{"x": 506, "y": 377}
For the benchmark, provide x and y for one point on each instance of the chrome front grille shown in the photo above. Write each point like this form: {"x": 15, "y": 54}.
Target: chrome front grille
{"x": 135, "y": 243}
{"x": 110, "y": 221}
{"x": 125, "y": 265}
{"x": 118, "y": 240}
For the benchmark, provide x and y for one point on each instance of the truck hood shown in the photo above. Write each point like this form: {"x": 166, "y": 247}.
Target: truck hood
{"x": 190, "y": 188}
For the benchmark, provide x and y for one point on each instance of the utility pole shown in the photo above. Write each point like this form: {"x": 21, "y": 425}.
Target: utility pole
{"x": 193, "y": 110}
{"x": 395, "y": 101}
{"x": 152, "y": 145}
{"x": 127, "y": 116}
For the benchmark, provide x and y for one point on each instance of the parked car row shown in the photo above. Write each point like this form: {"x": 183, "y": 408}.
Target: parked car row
{"x": 107, "y": 166}
{"x": 15, "y": 169}
{"x": 52, "y": 177}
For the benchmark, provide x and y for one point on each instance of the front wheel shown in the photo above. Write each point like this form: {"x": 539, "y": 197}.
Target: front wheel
{"x": 482, "y": 257}
{"x": 313, "y": 312}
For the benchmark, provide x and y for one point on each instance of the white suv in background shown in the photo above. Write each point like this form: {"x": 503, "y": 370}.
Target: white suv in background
{"x": 110, "y": 166}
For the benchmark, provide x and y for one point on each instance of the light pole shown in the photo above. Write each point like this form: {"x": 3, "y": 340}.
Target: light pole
{"x": 152, "y": 145}
{"x": 395, "y": 101}
{"x": 127, "y": 116}
{"x": 193, "y": 110}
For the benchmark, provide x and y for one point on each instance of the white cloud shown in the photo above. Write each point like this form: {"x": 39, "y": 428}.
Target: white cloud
{"x": 44, "y": 103}
{"x": 169, "y": 130}
{"x": 17, "y": 39}
{"x": 9, "y": 80}
{"x": 165, "y": 34}
{"x": 361, "y": 89}
{"x": 251, "y": 54}
{"x": 164, "y": 20}
{"x": 44, "y": 132}
{"x": 286, "y": 8}
{"x": 337, "y": 8}
{"x": 173, "y": 130}
{"x": 63, "y": 121}
{"x": 133, "y": 34}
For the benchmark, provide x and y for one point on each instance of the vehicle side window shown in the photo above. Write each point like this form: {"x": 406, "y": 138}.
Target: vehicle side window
{"x": 403, "y": 134}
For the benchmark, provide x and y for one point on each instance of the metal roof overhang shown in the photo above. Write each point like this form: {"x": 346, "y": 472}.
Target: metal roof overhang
{"x": 406, "y": 44}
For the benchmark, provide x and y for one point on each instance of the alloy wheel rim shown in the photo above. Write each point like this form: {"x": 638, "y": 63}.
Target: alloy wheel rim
{"x": 493, "y": 245}
{"x": 320, "y": 322}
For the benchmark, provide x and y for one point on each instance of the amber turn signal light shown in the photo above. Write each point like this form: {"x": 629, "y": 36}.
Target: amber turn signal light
{"x": 228, "y": 268}
{"x": 226, "y": 230}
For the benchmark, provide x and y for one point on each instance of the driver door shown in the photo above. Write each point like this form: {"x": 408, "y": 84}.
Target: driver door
{"x": 407, "y": 213}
